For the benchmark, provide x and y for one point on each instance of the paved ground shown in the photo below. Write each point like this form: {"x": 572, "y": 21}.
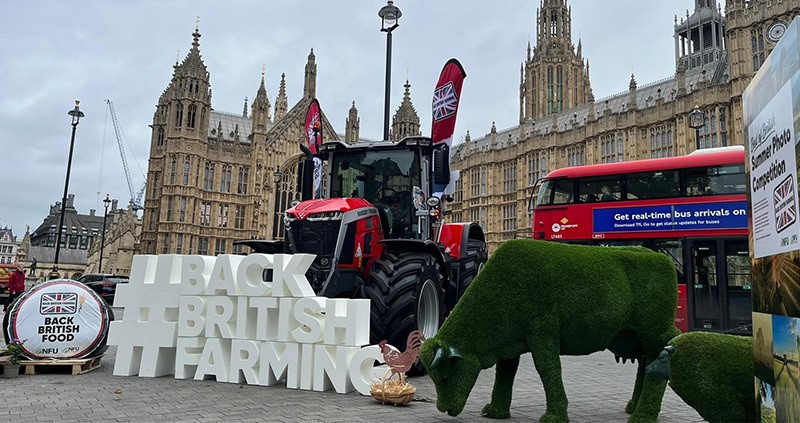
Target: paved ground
{"x": 597, "y": 387}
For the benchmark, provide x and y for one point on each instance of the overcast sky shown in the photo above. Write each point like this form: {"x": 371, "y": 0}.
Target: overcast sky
{"x": 54, "y": 52}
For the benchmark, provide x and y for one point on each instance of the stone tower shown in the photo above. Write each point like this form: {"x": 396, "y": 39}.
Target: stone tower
{"x": 554, "y": 76}
{"x": 699, "y": 38}
{"x": 310, "y": 86}
{"x": 406, "y": 121}
{"x": 179, "y": 131}
{"x": 352, "y": 126}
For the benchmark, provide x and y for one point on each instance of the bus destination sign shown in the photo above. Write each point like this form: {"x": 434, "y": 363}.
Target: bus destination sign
{"x": 676, "y": 217}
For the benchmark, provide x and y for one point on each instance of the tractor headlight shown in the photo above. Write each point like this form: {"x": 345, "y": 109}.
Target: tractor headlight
{"x": 288, "y": 219}
{"x": 433, "y": 201}
{"x": 325, "y": 216}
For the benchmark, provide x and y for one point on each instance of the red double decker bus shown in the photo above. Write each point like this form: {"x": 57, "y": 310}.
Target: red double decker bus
{"x": 692, "y": 208}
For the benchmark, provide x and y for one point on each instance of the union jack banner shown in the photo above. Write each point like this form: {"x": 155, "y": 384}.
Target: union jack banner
{"x": 59, "y": 303}
{"x": 784, "y": 202}
{"x": 445, "y": 102}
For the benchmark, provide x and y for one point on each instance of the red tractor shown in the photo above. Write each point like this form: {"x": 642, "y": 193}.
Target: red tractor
{"x": 380, "y": 234}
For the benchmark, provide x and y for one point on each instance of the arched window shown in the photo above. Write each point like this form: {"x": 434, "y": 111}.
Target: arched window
{"x": 225, "y": 183}
{"x": 191, "y": 115}
{"x": 160, "y": 137}
{"x": 550, "y": 90}
{"x": 560, "y": 91}
{"x": 172, "y": 171}
{"x": 208, "y": 178}
{"x": 242, "y": 186}
{"x": 178, "y": 115}
{"x": 186, "y": 166}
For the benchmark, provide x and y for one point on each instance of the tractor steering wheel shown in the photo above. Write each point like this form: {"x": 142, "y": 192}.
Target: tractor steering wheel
{"x": 385, "y": 192}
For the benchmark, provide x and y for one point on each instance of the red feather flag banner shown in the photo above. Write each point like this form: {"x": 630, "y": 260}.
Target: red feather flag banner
{"x": 445, "y": 101}
{"x": 314, "y": 127}
{"x": 314, "y": 138}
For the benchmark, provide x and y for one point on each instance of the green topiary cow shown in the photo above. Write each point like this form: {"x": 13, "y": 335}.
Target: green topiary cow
{"x": 713, "y": 373}
{"x": 555, "y": 299}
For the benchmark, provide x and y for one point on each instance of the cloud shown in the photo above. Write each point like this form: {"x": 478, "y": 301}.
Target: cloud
{"x": 124, "y": 51}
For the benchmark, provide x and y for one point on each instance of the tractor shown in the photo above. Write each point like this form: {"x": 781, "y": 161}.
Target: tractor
{"x": 380, "y": 233}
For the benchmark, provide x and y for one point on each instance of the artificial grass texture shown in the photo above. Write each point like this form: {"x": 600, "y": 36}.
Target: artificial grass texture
{"x": 713, "y": 373}
{"x": 555, "y": 299}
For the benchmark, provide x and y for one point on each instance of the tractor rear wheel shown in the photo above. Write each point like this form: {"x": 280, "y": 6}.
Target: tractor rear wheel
{"x": 474, "y": 260}
{"x": 406, "y": 294}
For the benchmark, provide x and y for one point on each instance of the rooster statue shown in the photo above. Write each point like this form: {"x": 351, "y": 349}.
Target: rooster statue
{"x": 401, "y": 362}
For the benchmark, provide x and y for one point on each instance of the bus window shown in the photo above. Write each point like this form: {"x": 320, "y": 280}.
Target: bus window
{"x": 544, "y": 194}
{"x": 598, "y": 189}
{"x": 658, "y": 184}
{"x": 726, "y": 180}
{"x": 563, "y": 191}
{"x": 556, "y": 191}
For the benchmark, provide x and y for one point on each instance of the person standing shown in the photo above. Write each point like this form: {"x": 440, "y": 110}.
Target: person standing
{"x": 16, "y": 286}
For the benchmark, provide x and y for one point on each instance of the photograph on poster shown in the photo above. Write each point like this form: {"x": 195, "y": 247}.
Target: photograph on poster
{"x": 767, "y": 400}
{"x": 762, "y": 347}
{"x": 775, "y": 284}
{"x": 785, "y": 363}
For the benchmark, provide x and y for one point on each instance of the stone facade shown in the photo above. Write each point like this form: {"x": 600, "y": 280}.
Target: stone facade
{"x": 217, "y": 177}
{"x": 121, "y": 241}
{"x": 561, "y": 124}
{"x": 8, "y": 246}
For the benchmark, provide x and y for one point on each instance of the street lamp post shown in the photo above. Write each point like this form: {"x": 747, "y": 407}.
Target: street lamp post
{"x": 390, "y": 15}
{"x": 106, "y": 203}
{"x": 696, "y": 121}
{"x": 76, "y": 114}
{"x": 277, "y": 177}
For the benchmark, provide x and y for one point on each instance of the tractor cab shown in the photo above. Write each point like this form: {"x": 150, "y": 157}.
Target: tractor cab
{"x": 394, "y": 177}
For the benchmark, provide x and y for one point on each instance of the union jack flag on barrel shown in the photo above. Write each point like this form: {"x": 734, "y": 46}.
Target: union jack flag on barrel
{"x": 59, "y": 303}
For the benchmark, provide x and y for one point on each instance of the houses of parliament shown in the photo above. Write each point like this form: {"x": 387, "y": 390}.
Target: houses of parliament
{"x": 216, "y": 177}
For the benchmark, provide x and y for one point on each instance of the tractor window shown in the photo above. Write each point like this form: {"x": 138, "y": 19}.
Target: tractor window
{"x": 385, "y": 178}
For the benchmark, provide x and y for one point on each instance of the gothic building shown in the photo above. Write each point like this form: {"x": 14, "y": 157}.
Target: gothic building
{"x": 216, "y": 177}
{"x": 562, "y": 124}
{"x": 80, "y": 233}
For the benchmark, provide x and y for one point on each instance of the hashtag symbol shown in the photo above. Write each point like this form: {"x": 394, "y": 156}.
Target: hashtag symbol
{"x": 146, "y": 337}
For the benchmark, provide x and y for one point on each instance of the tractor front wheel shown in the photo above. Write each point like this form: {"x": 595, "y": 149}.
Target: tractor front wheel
{"x": 406, "y": 294}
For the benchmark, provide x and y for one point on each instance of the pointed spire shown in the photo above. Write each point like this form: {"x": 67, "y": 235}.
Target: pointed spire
{"x": 310, "y": 87}
{"x": 632, "y": 100}
{"x": 467, "y": 138}
{"x": 244, "y": 111}
{"x": 406, "y": 121}
{"x": 580, "y": 49}
{"x": 281, "y": 102}
{"x": 352, "y": 125}
{"x": 193, "y": 62}
{"x": 262, "y": 110}
{"x": 529, "y": 48}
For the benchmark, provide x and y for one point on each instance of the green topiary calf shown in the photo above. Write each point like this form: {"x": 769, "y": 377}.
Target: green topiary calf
{"x": 554, "y": 299}
{"x": 713, "y": 373}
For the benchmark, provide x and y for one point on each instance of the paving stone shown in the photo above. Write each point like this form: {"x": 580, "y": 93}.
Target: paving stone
{"x": 598, "y": 390}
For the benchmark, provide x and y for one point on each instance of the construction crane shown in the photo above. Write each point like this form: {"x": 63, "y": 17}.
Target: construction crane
{"x": 136, "y": 198}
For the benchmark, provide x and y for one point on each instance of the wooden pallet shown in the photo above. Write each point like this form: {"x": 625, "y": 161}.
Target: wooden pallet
{"x": 75, "y": 366}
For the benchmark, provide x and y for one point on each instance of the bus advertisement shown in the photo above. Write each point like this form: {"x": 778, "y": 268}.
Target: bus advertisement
{"x": 691, "y": 208}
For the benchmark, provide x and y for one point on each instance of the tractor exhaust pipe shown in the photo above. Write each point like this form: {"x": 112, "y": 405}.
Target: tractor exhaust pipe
{"x": 306, "y": 182}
